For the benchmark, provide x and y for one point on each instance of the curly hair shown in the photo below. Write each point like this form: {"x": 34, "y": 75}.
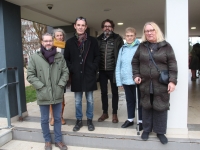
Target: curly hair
{"x": 108, "y": 20}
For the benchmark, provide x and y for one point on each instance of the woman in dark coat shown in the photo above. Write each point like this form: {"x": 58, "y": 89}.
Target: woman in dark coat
{"x": 154, "y": 95}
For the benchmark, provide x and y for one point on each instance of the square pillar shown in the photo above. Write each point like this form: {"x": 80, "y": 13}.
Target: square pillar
{"x": 176, "y": 32}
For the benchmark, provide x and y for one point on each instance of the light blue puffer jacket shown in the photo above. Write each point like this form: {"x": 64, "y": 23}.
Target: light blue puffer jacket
{"x": 123, "y": 71}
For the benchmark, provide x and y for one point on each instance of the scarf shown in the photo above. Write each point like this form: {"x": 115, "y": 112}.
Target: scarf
{"x": 48, "y": 54}
{"x": 60, "y": 44}
{"x": 81, "y": 39}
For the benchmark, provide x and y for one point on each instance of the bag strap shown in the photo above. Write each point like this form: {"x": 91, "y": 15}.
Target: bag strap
{"x": 153, "y": 60}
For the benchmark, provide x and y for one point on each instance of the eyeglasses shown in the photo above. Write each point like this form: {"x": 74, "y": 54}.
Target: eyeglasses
{"x": 107, "y": 26}
{"x": 80, "y": 18}
{"x": 50, "y": 41}
{"x": 149, "y": 31}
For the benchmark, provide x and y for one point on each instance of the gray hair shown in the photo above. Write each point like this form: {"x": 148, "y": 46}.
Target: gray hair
{"x": 59, "y": 30}
{"x": 46, "y": 34}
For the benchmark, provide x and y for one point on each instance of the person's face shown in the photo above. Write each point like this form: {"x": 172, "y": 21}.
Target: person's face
{"x": 130, "y": 37}
{"x": 47, "y": 42}
{"x": 107, "y": 27}
{"x": 59, "y": 36}
{"x": 150, "y": 34}
{"x": 80, "y": 26}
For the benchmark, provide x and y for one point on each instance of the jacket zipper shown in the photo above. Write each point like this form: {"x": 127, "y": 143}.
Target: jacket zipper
{"x": 106, "y": 52}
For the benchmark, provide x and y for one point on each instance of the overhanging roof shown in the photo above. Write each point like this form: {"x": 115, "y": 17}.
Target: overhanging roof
{"x": 131, "y": 12}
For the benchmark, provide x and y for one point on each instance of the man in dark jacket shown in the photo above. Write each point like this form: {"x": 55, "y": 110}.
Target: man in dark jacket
{"x": 48, "y": 73}
{"x": 82, "y": 57}
{"x": 109, "y": 45}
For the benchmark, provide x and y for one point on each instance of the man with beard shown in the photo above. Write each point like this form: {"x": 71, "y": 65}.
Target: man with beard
{"x": 109, "y": 45}
{"x": 82, "y": 57}
{"x": 48, "y": 73}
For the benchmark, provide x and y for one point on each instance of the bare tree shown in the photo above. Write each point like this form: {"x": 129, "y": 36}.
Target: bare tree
{"x": 31, "y": 37}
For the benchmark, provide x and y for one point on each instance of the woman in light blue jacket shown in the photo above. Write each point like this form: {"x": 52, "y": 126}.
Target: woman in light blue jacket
{"x": 124, "y": 76}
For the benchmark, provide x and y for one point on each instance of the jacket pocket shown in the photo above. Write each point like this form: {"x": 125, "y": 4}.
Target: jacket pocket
{"x": 59, "y": 92}
{"x": 43, "y": 94}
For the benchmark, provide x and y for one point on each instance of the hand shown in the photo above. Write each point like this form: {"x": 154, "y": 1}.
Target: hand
{"x": 138, "y": 80}
{"x": 171, "y": 87}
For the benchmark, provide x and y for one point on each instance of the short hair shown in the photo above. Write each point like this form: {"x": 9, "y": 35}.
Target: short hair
{"x": 46, "y": 34}
{"x": 59, "y": 30}
{"x": 108, "y": 20}
{"x": 81, "y": 18}
{"x": 130, "y": 29}
{"x": 159, "y": 34}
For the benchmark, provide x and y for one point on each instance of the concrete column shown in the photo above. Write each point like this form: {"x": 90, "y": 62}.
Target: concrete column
{"x": 176, "y": 33}
{"x": 11, "y": 56}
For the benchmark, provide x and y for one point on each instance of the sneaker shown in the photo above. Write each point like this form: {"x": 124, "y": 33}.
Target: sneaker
{"x": 78, "y": 125}
{"x": 145, "y": 135}
{"x": 163, "y": 139}
{"x": 90, "y": 125}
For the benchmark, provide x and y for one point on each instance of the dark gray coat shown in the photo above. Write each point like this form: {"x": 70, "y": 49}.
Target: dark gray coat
{"x": 143, "y": 68}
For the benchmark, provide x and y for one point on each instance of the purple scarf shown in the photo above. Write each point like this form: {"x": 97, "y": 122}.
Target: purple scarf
{"x": 50, "y": 54}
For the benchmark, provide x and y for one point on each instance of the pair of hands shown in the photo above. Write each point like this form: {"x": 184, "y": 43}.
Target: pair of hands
{"x": 171, "y": 85}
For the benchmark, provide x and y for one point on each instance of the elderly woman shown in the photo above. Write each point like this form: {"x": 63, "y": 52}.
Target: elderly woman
{"x": 59, "y": 42}
{"x": 124, "y": 76}
{"x": 154, "y": 95}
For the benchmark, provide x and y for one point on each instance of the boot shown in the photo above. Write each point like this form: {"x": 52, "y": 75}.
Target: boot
{"x": 90, "y": 125}
{"x": 51, "y": 115}
{"x": 115, "y": 118}
{"x": 78, "y": 125}
{"x": 63, "y": 106}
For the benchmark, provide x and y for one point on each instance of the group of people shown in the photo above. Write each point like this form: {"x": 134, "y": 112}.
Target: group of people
{"x": 126, "y": 66}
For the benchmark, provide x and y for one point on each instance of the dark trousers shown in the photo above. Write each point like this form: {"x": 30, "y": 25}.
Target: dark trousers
{"x": 154, "y": 120}
{"x": 130, "y": 91}
{"x": 104, "y": 76}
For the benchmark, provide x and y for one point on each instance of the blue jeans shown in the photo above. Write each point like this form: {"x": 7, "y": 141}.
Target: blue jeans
{"x": 78, "y": 104}
{"x": 44, "y": 110}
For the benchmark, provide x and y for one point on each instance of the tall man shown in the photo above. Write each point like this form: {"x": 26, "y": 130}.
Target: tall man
{"x": 48, "y": 73}
{"x": 82, "y": 57}
{"x": 109, "y": 45}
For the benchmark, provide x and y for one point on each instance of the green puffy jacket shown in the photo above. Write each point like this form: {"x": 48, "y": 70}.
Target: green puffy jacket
{"x": 49, "y": 80}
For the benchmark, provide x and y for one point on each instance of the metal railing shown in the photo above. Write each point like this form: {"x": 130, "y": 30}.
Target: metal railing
{"x": 5, "y": 87}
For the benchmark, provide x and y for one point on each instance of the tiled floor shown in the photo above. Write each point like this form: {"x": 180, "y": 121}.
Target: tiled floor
{"x": 107, "y": 127}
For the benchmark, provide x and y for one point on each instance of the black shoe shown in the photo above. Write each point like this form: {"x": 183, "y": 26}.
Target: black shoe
{"x": 78, "y": 125}
{"x": 140, "y": 127}
{"x": 127, "y": 124}
{"x": 90, "y": 125}
{"x": 145, "y": 135}
{"x": 163, "y": 139}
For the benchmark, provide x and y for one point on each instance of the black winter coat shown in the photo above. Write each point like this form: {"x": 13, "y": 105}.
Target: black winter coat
{"x": 83, "y": 73}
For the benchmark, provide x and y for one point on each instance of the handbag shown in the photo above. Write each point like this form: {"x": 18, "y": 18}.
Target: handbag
{"x": 164, "y": 74}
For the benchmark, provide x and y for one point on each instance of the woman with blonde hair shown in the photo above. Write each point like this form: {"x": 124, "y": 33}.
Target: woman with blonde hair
{"x": 153, "y": 55}
{"x": 124, "y": 76}
{"x": 59, "y": 43}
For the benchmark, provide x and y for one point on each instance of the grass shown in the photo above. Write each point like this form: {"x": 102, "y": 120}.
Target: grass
{"x": 30, "y": 94}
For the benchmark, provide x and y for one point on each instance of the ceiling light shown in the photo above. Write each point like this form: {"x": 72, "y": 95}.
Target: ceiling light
{"x": 193, "y": 28}
{"x": 107, "y": 9}
{"x": 120, "y": 23}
